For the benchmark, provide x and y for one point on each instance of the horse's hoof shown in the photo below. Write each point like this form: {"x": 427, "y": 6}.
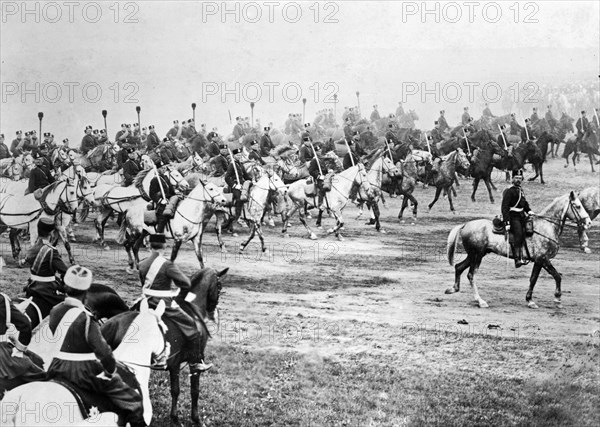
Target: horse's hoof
{"x": 566, "y": 166}
{"x": 129, "y": 270}
{"x": 312, "y": 236}
{"x": 320, "y": 227}
{"x": 286, "y": 235}
{"x": 223, "y": 250}
{"x": 483, "y": 304}
{"x": 271, "y": 223}
{"x": 308, "y": 216}
{"x": 330, "y": 231}
{"x": 450, "y": 291}
{"x": 106, "y": 247}
{"x": 587, "y": 250}
{"x": 531, "y": 304}
{"x": 340, "y": 238}
{"x": 382, "y": 231}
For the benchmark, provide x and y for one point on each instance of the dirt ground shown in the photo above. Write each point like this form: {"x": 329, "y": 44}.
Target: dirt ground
{"x": 373, "y": 291}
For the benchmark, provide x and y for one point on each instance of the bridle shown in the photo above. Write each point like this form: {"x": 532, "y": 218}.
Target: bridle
{"x": 579, "y": 220}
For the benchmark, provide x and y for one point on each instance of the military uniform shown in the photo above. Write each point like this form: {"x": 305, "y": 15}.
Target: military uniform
{"x": 39, "y": 177}
{"x": 84, "y": 354}
{"x": 443, "y": 123}
{"x": 306, "y": 153}
{"x": 487, "y": 112}
{"x": 436, "y": 135}
{"x": 400, "y": 111}
{"x": 152, "y": 142}
{"x": 173, "y": 132}
{"x": 46, "y": 263}
{"x": 88, "y": 143}
{"x": 220, "y": 164}
{"x": 160, "y": 203}
{"x": 130, "y": 169}
{"x": 198, "y": 143}
{"x": 515, "y": 128}
{"x": 266, "y": 145}
{"x": 526, "y": 132}
{"x": 466, "y": 118}
{"x": 583, "y": 126}
{"x": 16, "y": 147}
{"x": 550, "y": 119}
{"x": 514, "y": 210}
{"x": 16, "y": 365}
{"x": 238, "y": 131}
{"x": 375, "y": 116}
{"x": 4, "y": 150}
{"x": 231, "y": 177}
{"x": 348, "y": 132}
{"x": 534, "y": 118}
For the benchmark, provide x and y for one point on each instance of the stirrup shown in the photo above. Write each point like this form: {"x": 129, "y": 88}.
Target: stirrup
{"x": 200, "y": 366}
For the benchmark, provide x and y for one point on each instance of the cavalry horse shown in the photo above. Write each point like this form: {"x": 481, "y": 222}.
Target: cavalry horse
{"x": 482, "y": 165}
{"x": 479, "y": 240}
{"x": 590, "y": 199}
{"x": 447, "y": 175}
{"x": 120, "y": 199}
{"x": 257, "y": 204}
{"x": 23, "y": 212}
{"x": 588, "y": 145}
{"x": 14, "y": 169}
{"x": 188, "y": 223}
{"x": 140, "y": 340}
{"x": 342, "y": 185}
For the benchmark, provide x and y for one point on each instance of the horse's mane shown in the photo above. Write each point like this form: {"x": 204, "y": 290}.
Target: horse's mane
{"x": 372, "y": 157}
{"x": 282, "y": 150}
{"x": 5, "y": 163}
{"x": 115, "y": 328}
{"x": 139, "y": 178}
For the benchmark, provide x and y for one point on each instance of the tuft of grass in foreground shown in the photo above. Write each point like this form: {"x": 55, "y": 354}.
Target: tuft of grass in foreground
{"x": 442, "y": 383}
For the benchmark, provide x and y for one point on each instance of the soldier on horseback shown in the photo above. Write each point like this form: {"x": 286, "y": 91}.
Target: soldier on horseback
{"x": 487, "y": 113}
{"x": 40, "y": 175}
{"x": 442, "y": 121}
{"x": 131, "y": 167}
{"x": 239, "y": 182}
{"x": 352, "y": 157}
{"x": 165, "y": 200}
{"x": 375, "y": 114}
{"x": 515, "y": 128}
{"x": 391, "y": 137}
{"x": 306, "y": 151}
{"x": 534, "y": 117}
{"x": 436, "y": 133}
{"x": 4, "y": 150}
{"x": 266, "y": 145}
{"x": 162, "y": 280}
{"x": 318, "y": 168}
{"x": 88, "y": 143}
{"x": 84, "y": 358}
{"x": 527, "y": 132}
{"x": 583, "y": 127}
{"x": 515, "y": 210}
{"x": 465, "y": 119}
{"x": 16, "y": 366}
{"x": 550, "y": 119}
{"x": 152, "y": 141}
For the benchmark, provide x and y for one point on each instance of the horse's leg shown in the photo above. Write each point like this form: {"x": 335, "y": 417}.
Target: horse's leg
{"x": 489, "y": 188}
{"x": 100, "y": 223}
{"x": 547, "y": 265}
{"x": 197, "y": 248}
{"x": 319, "y": 217}
{"x": 591, "y": 157}
{"x": 542, "y": 173}
{"x": 195, "y": 394}
{"x": 438, "y": 190}
{"x": 402, "y": 207}
{"x": 136, "y": 248}
{"x": 62, "y": 234}
{"x": 376, "y": 212}
{"x": 220, "y": 218}
{"x": 473, "y": 267}
{"x": 261, "y": 237}
{"x": 292, "y": 211}
{"x": 458, "y": 271}
{"x": 175, "y": 250}
{"x": 414, "y": 203}
{"x": 475, "y": 185}
{"x": 339, "y": 224}
{"x": 128, "y": 244}
{"x": 252, "y": 233}
{"x": 450, "y": 202}
{"x": 311, "y": 234}
{"x": 535, "y": 272}
{"x": 174, "y": 375}
{"x": 15, "y": 245}
{"x": 583, "y": 240}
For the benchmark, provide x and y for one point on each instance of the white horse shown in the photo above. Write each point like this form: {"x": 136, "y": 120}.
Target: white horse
{"x": 257, "y": 203}
{"x": 143, "y": 342}
{"x": 23, "y": 212}
{"x": 188, "y": 223}
{"x": 590, "y": 199}
{"x": 121, "y": 199}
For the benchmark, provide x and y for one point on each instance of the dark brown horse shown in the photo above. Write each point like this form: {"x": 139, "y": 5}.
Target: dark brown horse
{"x": 482, "y": 165}
{"x": 588, "y": 145}
{"x": 538, "y": 160}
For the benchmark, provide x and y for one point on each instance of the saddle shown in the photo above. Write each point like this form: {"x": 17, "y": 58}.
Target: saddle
{"x": 310, "y": 189}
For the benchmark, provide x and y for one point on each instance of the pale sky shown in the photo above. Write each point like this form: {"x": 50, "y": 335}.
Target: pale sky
{"x": 177, "y": 51}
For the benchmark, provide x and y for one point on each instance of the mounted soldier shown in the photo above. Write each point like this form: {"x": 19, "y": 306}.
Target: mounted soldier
{"x": 465, "y": 119}
{"x": 239, "y": 183}
{"x": 348, "y": 129}
{"x": 40, "y": 175}
{"x": 266, "y": 145}
{"x": 534, "y": 117}
{"x": 400, "y": 110}
{"x": 515, "y": 210}
{"x": 162, "y": 280}
{"x": 16, "y": 147}
{"x": 219, "y": 162}
{"x": 318, "y": 169}
{"x": 550, "y": 119}
{"x": 165, "y": 200}
{"x": 131, "y": 167}
{"x": 436, "y": 133}
{"x": 391, "y": 137}
{"x": 442, "y": 121}
{"x": 152, "y": 141}
{"x": 375, "y": 114}
{"x": 355, "y": 151}
{"x": 515, "y": 128}
{"x": 84, "y": 358}
{"x": 175, "y": 131}
{"x": 4, "y": 150}
{"x": 238, "y": 130}
{"x": 17, "y": 364}
{"x": 306, "y": 151}
{"x": 526, "y": 132}
{"x": 88, "y": 143}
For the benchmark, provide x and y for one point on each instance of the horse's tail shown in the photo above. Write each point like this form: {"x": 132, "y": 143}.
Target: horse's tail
{"x": 122, "y": 236}
{"x": 453, "y": 242}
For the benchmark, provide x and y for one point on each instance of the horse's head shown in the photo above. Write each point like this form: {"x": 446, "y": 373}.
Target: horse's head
{"x": 276, "y": 183}
{"x": 13, "y": 170}
{"x": 575, "y": 211}
{"x": 462, "y": 161}
{"x": 197, "y": 161}
{"x": 211, "y": 192}
{"x": 362, "y": 180}
{"x": 27, "y": 161}
{"x": 146, "y": 162}
{"x": 66, "y": 195}
{"x": 206, "y": 287}
{"x": 389, "y": 167}
{"x": 84, "y": 187}
{"x": 176, "y": 179}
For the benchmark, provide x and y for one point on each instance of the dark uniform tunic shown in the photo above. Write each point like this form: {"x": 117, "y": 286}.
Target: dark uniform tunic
{"x": 375, "y": 116}
{"x": 84, "y": 354}
{"x": 238, "y": 131}
{"x": 213, "y": 149}
{"x": 130, "y": 169}
{"x": 515, "y": 128}
{"x": 534, "y": 118}
{"x": 220, "y": 164}
{"x": 15, "y": 149}
{"x": 88, "y": 143}
{"x": 436, "y": 134}
{"x": 253, "y": 155}
{"x": 198, "y": 143}
{"x": 165, "y": 285}
{"x": 152, "y": 141}
{"x": 443, "y": 123}
{"x": 266, "y": 145}
{"x": 465, "y": 118}
{"x": 582, "y": 128}
{"x": 487, "y": 112}
{"x": 46, "y": 263}
{"x": 4, "y": 151}
{"x": 306, "y": 153}
{"x": 231, "y": 177}
{"x": 526, "y": 131}
{"x": 15, "y": 371}
{"x": 160, "y": 204}
{"x": 514, "y": 208}
{"x": 39, "y": 177}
